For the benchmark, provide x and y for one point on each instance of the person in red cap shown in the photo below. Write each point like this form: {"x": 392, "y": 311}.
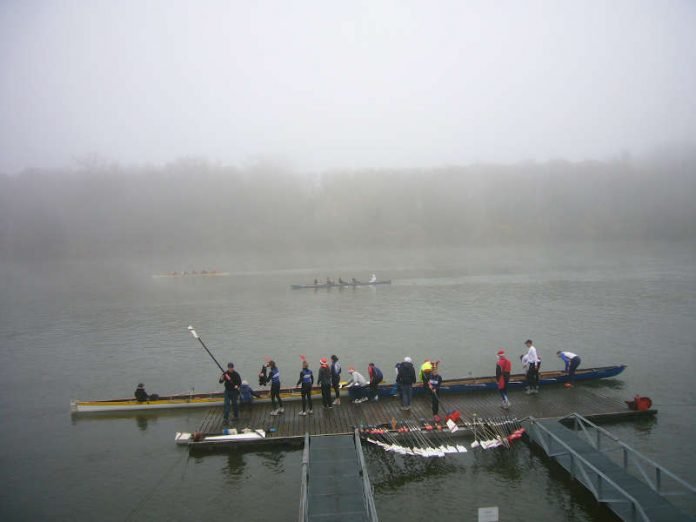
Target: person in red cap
{"x": 502, "y": 375}
{"x": 324, "y": 381}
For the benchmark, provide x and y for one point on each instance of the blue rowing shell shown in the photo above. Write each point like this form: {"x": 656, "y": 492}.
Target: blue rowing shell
{"x": 518, "y": 380}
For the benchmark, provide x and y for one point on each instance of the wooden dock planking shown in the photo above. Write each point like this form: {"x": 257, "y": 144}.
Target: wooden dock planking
{"x": 552, "y": 402}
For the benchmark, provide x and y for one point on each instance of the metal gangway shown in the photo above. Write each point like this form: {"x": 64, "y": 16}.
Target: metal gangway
{"x": 335, "y": 485}
{"x": 630, "y": 484}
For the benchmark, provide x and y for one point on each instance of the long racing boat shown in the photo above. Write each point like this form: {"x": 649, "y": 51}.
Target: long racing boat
{"x": 467, "y": 384}
{"x": 342, "y": 285}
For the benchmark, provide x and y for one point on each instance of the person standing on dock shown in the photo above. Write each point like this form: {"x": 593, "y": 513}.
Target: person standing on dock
{"x": 336, "y": 379}
{"x": 233, "y": 383}
{"x": 376, "y": 377}
{"x": 502, "y": 376}
{"x": 572, "y": 361}
{"x": 406, "y": 379}
{"x": 533, "y": 362}
{"x": 434, "y": 383}
{"x": 306, "y": 381}
{"x": 324, "y": 381}
{"x": 356, "y": 386}
{"x": 274, "y": 378}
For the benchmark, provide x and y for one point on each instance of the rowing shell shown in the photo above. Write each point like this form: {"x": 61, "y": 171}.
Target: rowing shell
{"x": 469, "y": 384}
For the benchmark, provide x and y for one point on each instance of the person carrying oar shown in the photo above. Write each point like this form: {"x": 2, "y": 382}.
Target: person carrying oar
{"x": 434, "y": 383}
{"x": 233, "y": 383}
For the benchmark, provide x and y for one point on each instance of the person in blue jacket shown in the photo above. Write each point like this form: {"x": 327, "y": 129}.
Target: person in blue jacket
{"x": 246, "y": 394}
{"x": 274, "y": 379}
{"x": 306, "y": 381}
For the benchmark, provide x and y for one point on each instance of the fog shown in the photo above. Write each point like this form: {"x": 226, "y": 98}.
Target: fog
{"x": 191, "y": 210}
{"x": 175, "y": 132}
{"x": 342, "y": 85}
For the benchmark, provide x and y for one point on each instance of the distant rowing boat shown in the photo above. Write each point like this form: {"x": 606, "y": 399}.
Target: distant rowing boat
{"x": 192, "y": 274}
{"x": 341, "y": 285}
{"x": 467, "y": 384}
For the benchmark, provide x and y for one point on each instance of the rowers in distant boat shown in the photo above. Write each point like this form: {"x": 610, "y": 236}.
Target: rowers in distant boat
{"x": 342, "y": 284}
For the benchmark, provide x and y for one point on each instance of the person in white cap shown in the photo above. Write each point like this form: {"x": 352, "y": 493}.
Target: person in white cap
{"x": 406, "y": 378}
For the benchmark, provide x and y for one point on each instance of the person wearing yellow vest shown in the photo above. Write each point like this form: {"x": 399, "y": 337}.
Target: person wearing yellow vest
{"x": 425, "y": 370}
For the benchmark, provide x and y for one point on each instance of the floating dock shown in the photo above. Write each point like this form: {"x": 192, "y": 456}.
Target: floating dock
{"x": 290, "y": 428}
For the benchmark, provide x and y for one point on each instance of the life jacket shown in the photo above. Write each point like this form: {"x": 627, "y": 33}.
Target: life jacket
{"x": 335, "y": 370}
{"x": 275, "y": 376}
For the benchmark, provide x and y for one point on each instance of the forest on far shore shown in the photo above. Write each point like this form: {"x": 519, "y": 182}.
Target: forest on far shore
{"x": 106, "y": 210}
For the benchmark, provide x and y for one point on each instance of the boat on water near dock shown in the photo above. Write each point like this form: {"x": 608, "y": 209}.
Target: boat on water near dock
{"x": 341, "y": 285}
{"x": 467, "y": 384}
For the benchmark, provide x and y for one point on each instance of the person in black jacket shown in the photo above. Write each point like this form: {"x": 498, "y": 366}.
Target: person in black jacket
{"x": 324, "y": 381}
{"x": 406, "y": 378}
{"x": 233, "y": 382}
{"x": 306, "y": 380}
{"x": 140, "y": 393}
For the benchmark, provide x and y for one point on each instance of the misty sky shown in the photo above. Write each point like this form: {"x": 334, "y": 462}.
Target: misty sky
{"x": 324, "y": 84}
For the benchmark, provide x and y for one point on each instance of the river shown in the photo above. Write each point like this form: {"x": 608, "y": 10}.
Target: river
{"x": 92, "y": 331}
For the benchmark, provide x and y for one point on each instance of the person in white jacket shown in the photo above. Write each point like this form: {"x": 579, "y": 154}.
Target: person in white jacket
{"x": 533, "y": 362}
{"x": 357, "y": 386}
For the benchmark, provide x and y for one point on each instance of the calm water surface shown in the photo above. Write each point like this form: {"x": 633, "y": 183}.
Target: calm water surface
{"x": 65, "y": 334}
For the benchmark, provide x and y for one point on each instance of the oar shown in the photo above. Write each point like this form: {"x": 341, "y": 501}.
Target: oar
{"x": 196, "y": 336}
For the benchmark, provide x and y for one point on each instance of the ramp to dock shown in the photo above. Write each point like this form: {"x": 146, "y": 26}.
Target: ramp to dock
{"x": 335, "y": 484}
{"x": 610, "y": 469}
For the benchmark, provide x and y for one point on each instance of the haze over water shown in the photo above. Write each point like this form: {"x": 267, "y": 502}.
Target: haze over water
{"x": 517, "y": 169}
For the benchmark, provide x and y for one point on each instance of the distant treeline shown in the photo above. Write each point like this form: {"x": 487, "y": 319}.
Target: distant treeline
{"x": 118, "y": 211}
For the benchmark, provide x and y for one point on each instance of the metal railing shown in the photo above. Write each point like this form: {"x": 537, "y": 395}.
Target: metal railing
{"x": 304, "y": 511}
{"x": 586, "y": 471}
{"x": 650, "y": 471}
{"x": 368, "y": 492}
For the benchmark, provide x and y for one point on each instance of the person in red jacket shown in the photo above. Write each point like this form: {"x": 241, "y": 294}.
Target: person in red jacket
{"x": 502, "y": 375}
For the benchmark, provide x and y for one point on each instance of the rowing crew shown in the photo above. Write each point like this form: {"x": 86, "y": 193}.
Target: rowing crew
{"x": 353, "y": 281}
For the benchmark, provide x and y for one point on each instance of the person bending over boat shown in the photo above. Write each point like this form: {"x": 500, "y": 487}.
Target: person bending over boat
{"x": 336, "y": 379}
{"x": 406, "y": 379}
{"x": 376, "y": 377}
{"x": 533, "y": 362}
{"x": 140, "y": 393}
{"x": 502, "y": 376}
{"x": 246, "y": 394}
{"x": 341, "y": 281}
{"x": 373, "y": 279}
{"x": 274, "y": 379}
{"x": 232, "y": 385}
{"x": 354, "y": 281}
{"x": 572, "y": 361}
{"x": 356, "y": 386}
{"x": 305, "y": 382}
{"x": 434, "y": 383}
{"x": 324, "y": 381}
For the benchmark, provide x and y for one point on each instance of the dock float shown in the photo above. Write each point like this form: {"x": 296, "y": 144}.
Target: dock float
{"x": 335, "y": 484}
{"x": 290, "y": 428}
{"x": 631, "y": 485}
